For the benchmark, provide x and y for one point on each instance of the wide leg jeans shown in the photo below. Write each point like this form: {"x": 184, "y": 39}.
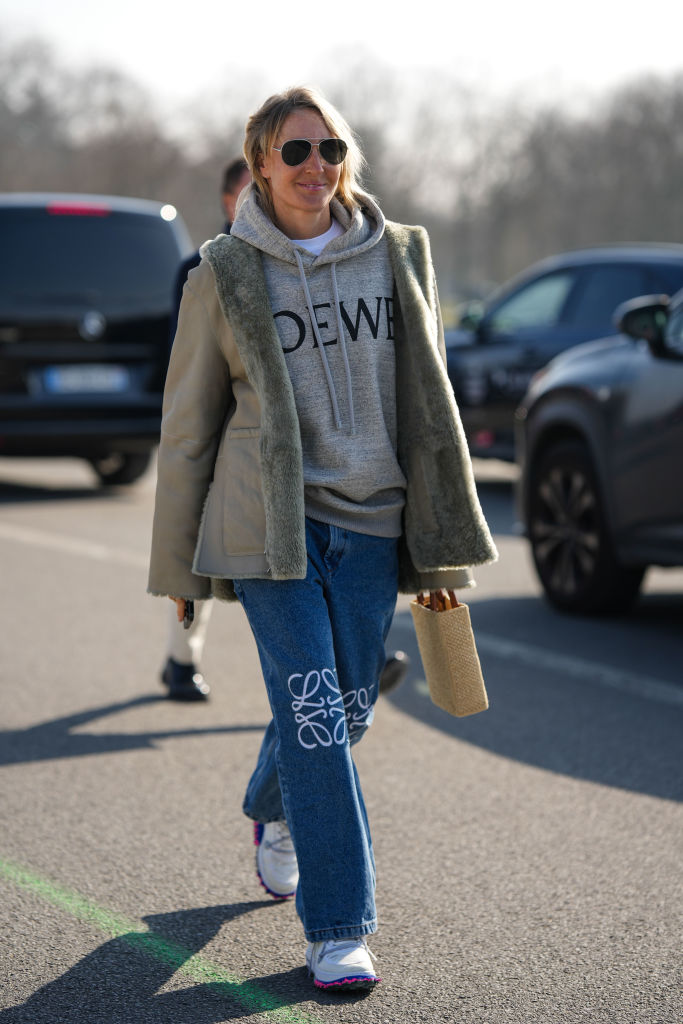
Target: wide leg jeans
{"x": 321, "y": 645}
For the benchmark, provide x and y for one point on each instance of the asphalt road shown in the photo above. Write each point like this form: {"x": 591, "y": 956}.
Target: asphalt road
{"x": 529, "y": 858}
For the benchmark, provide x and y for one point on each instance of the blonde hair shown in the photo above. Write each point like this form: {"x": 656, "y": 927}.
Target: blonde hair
{"x": 264, "y": 126}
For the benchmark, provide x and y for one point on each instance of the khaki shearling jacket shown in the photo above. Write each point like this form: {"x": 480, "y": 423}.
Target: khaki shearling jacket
{"x": 230, "y": 491}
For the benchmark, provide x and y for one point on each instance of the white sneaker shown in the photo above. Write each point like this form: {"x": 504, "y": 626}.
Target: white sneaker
{"x": 276, "y": 863}
{"x": 341, "y": 963}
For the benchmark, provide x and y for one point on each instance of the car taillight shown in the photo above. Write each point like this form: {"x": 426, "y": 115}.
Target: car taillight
{"x": 78, "y": 210}
{"x": 484, "y": 438}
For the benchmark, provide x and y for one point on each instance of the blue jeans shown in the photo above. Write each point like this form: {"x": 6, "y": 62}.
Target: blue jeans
{"x": 321, "y": 645}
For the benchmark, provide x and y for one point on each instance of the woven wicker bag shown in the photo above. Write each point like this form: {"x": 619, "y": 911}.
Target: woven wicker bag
{"x": 450, "y": 659}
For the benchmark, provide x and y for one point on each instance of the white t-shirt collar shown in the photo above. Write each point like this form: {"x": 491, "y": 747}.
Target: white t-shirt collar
{"x": 317, "y": 244}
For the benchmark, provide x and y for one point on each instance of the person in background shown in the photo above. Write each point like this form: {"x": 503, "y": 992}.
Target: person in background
{"x": 184, "y": 647}
{"x": 340, "y": 476}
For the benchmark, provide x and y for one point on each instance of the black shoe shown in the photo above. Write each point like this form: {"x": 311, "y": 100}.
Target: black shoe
{"x": 394, "y": 672}
{"x": 184, "y": 682}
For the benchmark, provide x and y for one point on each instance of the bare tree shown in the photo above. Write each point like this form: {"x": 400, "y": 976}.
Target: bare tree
{"x": 498, "y": 185}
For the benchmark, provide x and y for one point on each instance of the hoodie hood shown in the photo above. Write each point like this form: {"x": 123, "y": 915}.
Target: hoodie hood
{"x": 362, "y": 230}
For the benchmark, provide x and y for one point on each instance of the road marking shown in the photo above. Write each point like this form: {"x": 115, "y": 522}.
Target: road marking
{"x": 635, "y": 684}
{"x": 137, "y": 935}
{"x": 71, "y": 545}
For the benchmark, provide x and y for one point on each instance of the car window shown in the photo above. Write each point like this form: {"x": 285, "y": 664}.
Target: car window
{"x": 538, "y": 304}
{"x": 601, "y": 290}
{"x": 102, "y": 260}
{"x": 666, "y": 278}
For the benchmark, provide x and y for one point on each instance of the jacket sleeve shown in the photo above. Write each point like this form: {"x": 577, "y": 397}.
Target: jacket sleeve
{"x": 197, "y": 398}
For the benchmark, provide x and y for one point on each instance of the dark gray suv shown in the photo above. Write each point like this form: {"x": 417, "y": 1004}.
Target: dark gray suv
{"x": 600, "y": 443}
{"x": 562, "y": 301}
{"x": 86, "y": 289}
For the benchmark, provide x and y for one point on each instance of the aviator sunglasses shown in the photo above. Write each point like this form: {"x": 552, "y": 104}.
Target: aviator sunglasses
{"x": 296, "y": 151}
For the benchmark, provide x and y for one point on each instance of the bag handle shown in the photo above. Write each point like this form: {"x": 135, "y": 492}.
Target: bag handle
{"x": 439, "y": 600}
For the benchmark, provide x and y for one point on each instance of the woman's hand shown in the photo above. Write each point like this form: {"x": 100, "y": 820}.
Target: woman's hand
{"x": 180, "y": 607}
{"x": 439, "y": 600}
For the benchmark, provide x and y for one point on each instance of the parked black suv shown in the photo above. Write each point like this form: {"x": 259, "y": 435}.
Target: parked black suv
{"x": 600, "y": 437}
{"x": 558, "y": 303}
{"x": 86, "y": 288}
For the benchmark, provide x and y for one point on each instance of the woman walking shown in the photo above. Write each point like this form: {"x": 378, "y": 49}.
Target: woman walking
{"x": 312, "y": 464}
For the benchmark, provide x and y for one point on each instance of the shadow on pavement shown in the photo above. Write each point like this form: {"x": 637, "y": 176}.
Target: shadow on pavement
{"x": 119, "y": 982}
{"x": 564, "y": 719}
{"x": 56, "y": 739}
{"x": 57, "y": 478}
{"x": 19, "y": 494}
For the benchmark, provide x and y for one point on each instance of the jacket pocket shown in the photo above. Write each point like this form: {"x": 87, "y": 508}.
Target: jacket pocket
{"x": 244, "y": 516}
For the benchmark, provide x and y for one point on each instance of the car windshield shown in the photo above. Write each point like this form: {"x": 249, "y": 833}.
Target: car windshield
{"x": 105, "y": 260}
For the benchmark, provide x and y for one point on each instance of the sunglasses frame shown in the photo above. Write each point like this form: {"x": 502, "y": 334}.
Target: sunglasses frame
{"x": 332, "y": 163}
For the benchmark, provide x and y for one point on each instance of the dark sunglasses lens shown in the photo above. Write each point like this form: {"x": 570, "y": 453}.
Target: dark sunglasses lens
{"x": 295, "y": 151}
{"x": 333, "y": 151}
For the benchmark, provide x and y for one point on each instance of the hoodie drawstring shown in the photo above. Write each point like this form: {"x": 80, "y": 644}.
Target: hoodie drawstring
{"x": 342, "y": 342}
{"x": 321, "y": 347}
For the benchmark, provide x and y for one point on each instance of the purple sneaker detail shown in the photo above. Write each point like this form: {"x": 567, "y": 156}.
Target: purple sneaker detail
{"x": 349, "y": 983}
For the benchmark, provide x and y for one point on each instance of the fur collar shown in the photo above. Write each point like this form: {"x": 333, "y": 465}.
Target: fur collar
{"x": 444, "y": 524}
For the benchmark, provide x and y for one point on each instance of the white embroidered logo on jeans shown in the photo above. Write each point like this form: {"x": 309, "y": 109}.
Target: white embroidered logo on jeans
{"x": 320, "y": 711}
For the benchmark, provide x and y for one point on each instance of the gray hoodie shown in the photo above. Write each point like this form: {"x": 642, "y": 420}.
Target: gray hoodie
{"x": 334, "y": 318}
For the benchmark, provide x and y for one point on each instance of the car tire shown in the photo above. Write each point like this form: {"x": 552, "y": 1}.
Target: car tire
{"x": 121, "y": 468}
{"x": 570, "y": 540}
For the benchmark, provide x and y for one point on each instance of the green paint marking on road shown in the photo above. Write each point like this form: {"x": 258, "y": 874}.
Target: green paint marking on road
{"x": 139, "y": 937}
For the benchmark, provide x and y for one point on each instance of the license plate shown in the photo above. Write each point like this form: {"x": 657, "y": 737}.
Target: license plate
{"x": 68, "y": 380}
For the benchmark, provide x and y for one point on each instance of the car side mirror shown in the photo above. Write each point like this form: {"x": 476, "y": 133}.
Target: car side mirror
{"x": 644, "y": 319}
{"x": 673, "y": 334}
{"x": 471, "y": 316}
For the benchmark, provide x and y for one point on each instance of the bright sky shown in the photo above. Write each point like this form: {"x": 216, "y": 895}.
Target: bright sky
{"x": 180, "y": 49}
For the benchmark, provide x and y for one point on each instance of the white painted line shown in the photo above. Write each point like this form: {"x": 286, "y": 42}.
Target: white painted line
{"x": 527, "y": 654}
{"x": 580, "y": 668}
{"x": 70, "y": 545}
{"x": 591, "y": 672}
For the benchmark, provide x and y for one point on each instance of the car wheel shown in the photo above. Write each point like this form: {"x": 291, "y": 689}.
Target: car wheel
{"x": 119, "y": 468}
{"x": 570, "y": 541}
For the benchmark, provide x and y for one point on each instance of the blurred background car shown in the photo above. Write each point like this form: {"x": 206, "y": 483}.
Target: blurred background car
{"x": 86, "y": 288}
{"x": 600, "y": 437}
{"x": 562, "y": 301}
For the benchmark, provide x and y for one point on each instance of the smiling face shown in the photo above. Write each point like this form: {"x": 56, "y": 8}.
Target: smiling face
{"x": 301, "y": 195}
